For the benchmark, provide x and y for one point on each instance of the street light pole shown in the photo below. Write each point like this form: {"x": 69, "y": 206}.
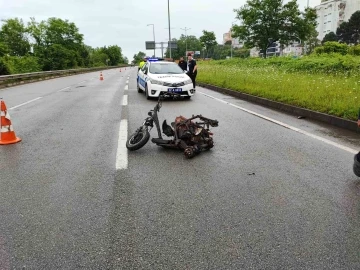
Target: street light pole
{"x": 300, "y": 43}
{"x": 153, "y": 36}
{"x": 232, "y": 25}
{"x": 169, "y": 27}
{"x": 185, "y": 29}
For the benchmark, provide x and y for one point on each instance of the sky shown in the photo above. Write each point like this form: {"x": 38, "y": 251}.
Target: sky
{"x": 124, "y": 22}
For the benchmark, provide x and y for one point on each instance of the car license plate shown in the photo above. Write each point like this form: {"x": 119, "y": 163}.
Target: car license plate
{"x": 175, "y": 90}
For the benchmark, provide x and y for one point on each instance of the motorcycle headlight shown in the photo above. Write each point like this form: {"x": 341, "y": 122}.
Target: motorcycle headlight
{"x": 156, "y": 82}
{"x": 188, "y": 81}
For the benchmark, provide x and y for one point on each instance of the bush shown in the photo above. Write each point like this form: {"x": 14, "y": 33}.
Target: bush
{"x": 332, "y": 63}
{"x": 332, "y": 47}
{"x": 19, "y": 64}
{"x": 354, "y": 50}
{"x": 4, "y": 68}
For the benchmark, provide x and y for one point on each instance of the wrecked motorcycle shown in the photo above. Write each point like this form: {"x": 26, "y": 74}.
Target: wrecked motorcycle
{"x": 188, "y": 136}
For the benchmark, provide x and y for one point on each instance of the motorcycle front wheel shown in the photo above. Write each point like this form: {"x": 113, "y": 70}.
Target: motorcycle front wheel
{"x": 138, "y": 139}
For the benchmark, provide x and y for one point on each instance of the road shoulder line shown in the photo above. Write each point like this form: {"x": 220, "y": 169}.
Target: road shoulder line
{"x": 348, "y": 149}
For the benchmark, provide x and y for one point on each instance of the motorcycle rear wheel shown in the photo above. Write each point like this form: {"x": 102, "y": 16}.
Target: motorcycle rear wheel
{"x": 138, "y": 139}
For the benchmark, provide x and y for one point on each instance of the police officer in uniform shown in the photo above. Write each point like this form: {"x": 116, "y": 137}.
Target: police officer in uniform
{"x": 142, "y": 63}
{"x": 192, "y": 69}
{"x": 182, "y": 63}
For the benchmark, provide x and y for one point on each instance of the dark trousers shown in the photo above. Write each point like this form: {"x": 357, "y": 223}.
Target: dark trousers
{"x": 192, "y": 77}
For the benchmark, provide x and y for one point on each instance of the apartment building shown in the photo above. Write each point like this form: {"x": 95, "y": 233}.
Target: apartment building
{"x": 331, "y": 13}
{"x": 236, "y": 43}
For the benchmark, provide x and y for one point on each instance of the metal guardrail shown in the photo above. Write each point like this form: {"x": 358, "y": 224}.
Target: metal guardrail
{"x": 54, "y": 72}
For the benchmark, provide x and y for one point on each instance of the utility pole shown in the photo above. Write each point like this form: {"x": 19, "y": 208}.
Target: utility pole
{"x": 168, "y": 48}
{"x": 169, "y": 27}
{"x": 162, "y": 49}
{"x": 185, "y": 29}
{"x": 153, "y": 36}
{"x": 232, "y": 25}
{"x": 305, "y": 47}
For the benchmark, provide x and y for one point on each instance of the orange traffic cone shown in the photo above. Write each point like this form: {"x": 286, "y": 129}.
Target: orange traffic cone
{"x": 7, "y": 135}
{"x": 101, "y": 76}
{"x": 120, "y": 69}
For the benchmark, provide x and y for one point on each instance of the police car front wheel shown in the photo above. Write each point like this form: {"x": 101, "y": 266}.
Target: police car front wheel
{"x": 139, "y": 89}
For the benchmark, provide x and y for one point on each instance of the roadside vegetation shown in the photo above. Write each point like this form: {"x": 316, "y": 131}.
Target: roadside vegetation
{"x": 328, "y": 83}
{"x": 54, "y": 44}
{"x": 326, "y": 78}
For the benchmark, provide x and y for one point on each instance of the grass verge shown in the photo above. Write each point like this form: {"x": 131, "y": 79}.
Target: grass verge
{"x": 323, "y": 84}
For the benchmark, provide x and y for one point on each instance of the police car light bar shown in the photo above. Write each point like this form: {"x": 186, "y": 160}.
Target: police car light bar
{"x": 155, "y": 59}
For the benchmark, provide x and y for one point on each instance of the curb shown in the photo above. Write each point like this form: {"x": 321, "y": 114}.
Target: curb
{"x": 322, "y": 117}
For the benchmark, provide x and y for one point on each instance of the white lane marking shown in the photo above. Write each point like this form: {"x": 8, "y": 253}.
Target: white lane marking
{"x": 64, "y": 89}
{"x": 127, "y": 81}
{"x": 81, "y": 82}
{"x": 348, "y": 149}
{"x": 122, "y": 153}
{"x": 125, "y": 100}
{"x": 22, "y": 104}
{"x": 126, "y": 87}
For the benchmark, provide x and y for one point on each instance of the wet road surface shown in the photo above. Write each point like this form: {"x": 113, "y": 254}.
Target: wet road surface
{"x": 265, "y": 196}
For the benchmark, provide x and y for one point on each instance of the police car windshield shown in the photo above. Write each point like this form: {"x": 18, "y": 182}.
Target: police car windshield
{"x": 165, "y": 68}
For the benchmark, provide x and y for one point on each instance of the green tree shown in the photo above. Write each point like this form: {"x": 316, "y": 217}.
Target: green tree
{"x": 138, "y": 57}
{"x": 329, "y": 37}
{"x": 18, "y": 65}
{"x": 343, "y": 32}
{"x": 4, "y": 49}
{"x": 354, "y": 24}
{"x": 192, "y": 43}
{"x": 241, "y": 53}
{"x": 57, "y": 44}
{"x": 58, "y": 57}
{"x": 312, "y": 42}
{"x": 62, "y": 35}
{"x": 208, "y": 40}
{"x": 63, "y": 32}
{"x": 267, "y": 21}
{"x": 349, "y": 32}
{"x": 98, "y": 57}
{"x": 114, "y": 54}
{"x": 218, "y": 52}
{"x": 4, "y": 68}
{"x": 13, "y": 34}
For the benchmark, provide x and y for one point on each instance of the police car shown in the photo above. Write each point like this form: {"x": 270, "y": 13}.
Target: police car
{"x": 158, "y": 76}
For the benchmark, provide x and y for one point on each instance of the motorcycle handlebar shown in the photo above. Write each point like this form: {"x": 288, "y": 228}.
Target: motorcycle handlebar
{"x": 213, "y": 123}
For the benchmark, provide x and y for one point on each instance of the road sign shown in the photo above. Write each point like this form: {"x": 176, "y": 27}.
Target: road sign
{"x": 173, "y": 44}
{"x": 150, "y": 45}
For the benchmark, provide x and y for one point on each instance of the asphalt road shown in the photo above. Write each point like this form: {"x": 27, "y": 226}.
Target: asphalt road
{"x": 274, "y": 193}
